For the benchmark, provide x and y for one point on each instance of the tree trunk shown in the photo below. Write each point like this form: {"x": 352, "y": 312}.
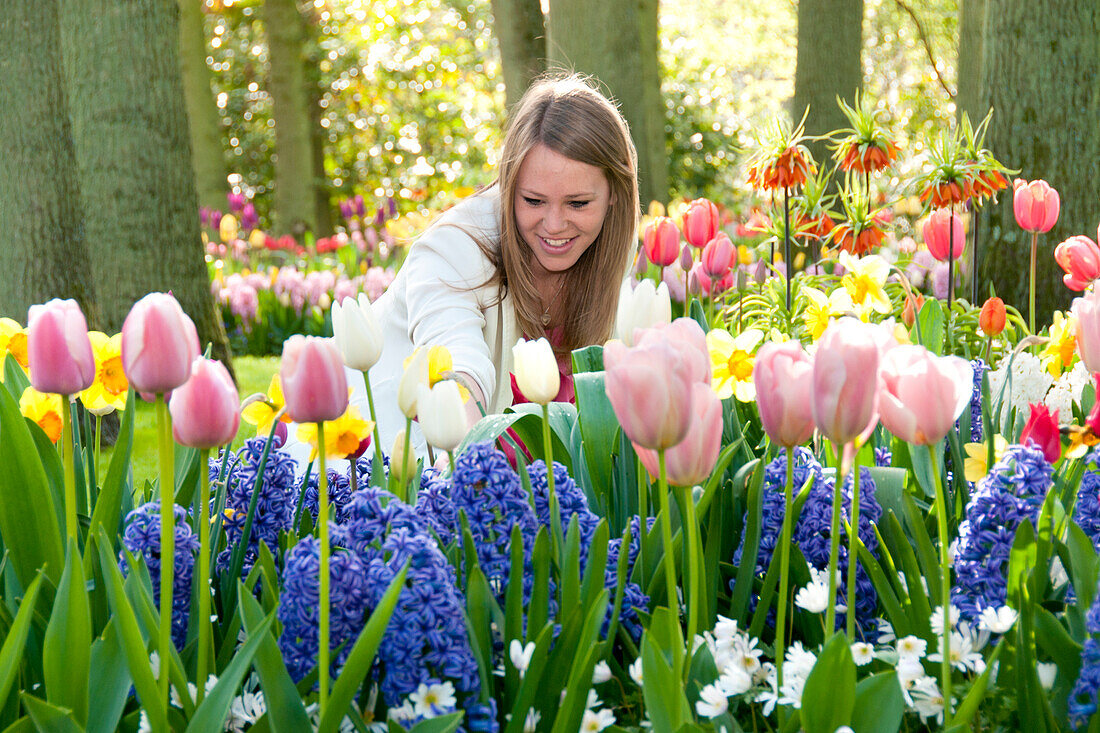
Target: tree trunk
{"x": 134, "y": 159}
{"x": 830, "y": 40}
{"x": 318, "y": 135}
{"x": 42, "y": 252}
{"x": 625, "y": 62}
{"x": 1042, "y": 78}
{"x": 521, "y": 32}
{"x": 207, "y": 148}
{"x": 971, "y": 50}
{"x": 295, "y": 194}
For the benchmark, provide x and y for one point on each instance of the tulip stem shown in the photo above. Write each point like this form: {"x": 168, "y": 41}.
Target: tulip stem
{"x": 853, "y": 539}
{"x": 322, "y": 526}
{"x": 548, "y": 447}
{"x": 643, "y": 511}
{"x": 403, "y": 481}
{"x": 98, "y": 446}
{"x": 1031, "y": 301}
{"x": 70, "y": 472}
{"x": 377, "y": 440}
{"x": 787, "y": 246}
{"x": 690, "y": 540}
{"x": 666, "y": 535}
{"x": 784, "y": 570}
{"x": 167, "y": 537}
{"x": 451, "y": 460}
{"x": 834, "y": 543}
{"x": 204, "y": 573}
{"x": 945, "y": 579}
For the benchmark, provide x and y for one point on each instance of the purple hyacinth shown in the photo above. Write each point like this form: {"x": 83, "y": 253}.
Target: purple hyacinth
{"x": 1087, "y": 510}
{"x": 1082, "y": 703}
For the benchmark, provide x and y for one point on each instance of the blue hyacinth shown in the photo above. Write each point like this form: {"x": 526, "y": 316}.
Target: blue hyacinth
{"x": 980, "y": 368}
{"x": 1013, "y": 491}
{"x": 1082, "y": 703}
{"x": 142, "y": 538}
{"x": 1087, "y": 510}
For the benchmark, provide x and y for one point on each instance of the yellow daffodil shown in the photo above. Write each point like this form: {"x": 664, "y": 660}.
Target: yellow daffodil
{"x": 440, "y": 366}
{"x": 262, "y": 413}
{"x": 731, "y": 362}
{"x": 744, "y": 256}
{"x": 343, "y": 436}
{"x": 975, "y": 467}
{"x": 864, "y": 281}
{"x": 108, "y": 391}
{"x": 1058, "y": 353}
{"x": 43, "y": 409}
{"x": 13, "y": 340}
{"x": 821, "y": 308}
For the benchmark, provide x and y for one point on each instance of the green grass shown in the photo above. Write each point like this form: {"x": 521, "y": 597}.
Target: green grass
{"x": 253, "y": 375}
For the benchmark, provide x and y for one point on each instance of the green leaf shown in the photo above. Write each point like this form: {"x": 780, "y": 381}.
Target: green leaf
{"x": 361, "y": 657}
{"x": 580, "y": 674}
{"x": 665, "y": 701}
{"x": 965, "y": 712}
{"x": 828, "y": 698}
{"x": 526, "y": 421}
{"x": 109, "y": 687}
{"x": 66, "y": 647}
{"x": 15, "y": 379}
{"x": 530, "y": 685}
{"x": 11, "y": 654}
{"x": 879, "y": 705}
{"x": 49, "y": 718}
{"x": 743, "y": 585}
{"x": 442, "y": 724}
{"x": 285, "y": 712}
{"x": 28, "y": 517}
{"x": 588, "y": 359}
{"x": 598, "y": 425}
{"x": 930, "y": 324}
{"x": 211, "y": 714}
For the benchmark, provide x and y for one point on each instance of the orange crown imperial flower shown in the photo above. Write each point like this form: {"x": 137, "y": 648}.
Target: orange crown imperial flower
{"x": 866, "y": 146}
{"x": 781, "y": 161}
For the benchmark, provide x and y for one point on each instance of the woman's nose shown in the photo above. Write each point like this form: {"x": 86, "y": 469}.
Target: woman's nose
{"x": 554, "y": 221}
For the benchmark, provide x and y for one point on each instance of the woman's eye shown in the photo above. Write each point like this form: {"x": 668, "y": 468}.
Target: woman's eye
{"x": 531, "y": 201}
{"x": 578, "y": 204}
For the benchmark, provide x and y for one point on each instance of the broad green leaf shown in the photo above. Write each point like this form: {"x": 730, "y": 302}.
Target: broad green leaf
{"x": 66, "y": 647}
{"x": 879, "y": 705}
{"x": 11, "y": 653}
{"x": 598, "y": 426}
{"x": 109, "y": 687}
{"x": 285, "y": 712}
{"x": 442, "y": 724}
{"x": 47, "y": 717}
{"x": 828, "y": 698}
{"x": 930, "y": 324}
{"x": 526, "y": 421}
{"x": 211, "y": 714}
{"x": 662, "y": 689}
{"x": 580, "y": 674}
{"x": 15, "y": 379}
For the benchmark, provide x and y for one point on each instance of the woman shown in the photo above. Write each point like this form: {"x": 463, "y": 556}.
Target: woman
{"x": 540, "y": 252}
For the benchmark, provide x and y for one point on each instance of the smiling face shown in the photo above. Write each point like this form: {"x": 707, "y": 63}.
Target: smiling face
{"x": 560, "y": 205}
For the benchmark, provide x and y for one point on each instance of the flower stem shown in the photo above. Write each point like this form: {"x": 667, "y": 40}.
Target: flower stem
{"x": 643, "y": 512}
{"x": 1031, "y": 301}
{"x": 204, "y": 574}
{"x": 557, "y": 531}
{"x": 950, "y": 258}
{"x": 377, "y": 439}
{"x": 691, "y": 538}
{"x": 853, "y": 539}
{"x": 784, "y": 569}
{"x": 403, "y": 495}
{"x": 945, "y": 578}
{"x": 787, "y": 246}
{"x": 666, "y": 535}
{"x": 98, "y": 446}
{"x": 70, "y": 472}
{"x": 322, "y": 526}
{"x": 167, "y": 537}
{"x": 834, "y": 545}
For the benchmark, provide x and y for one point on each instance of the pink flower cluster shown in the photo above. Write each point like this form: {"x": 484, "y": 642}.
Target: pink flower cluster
{"x": 295, "y": 289}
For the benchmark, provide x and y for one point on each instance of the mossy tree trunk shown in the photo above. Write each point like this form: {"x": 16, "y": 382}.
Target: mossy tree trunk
{"x": 971, "y": 50}
{"x": 207, "y": 147}
{"x": 133, "y": 155}
{"x": 312, "y": 60}
{"x": 288, "y": 84}
{"x": 520, "y": 30}
{"x": 42, "y": 250}
{"x": 830, "y": 41}
{"x": 616, "y": 41}
{"x": 1042, "y": 78}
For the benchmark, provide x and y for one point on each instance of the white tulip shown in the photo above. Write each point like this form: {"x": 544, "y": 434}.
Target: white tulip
{"x": 442, "y": 415}
{"x": 645, "y": 306}
{"x": 536, "y": 370}
{"x": 416, "y": 374}
{"x": 402, "y": 466}
{"x": 358, "y": 335}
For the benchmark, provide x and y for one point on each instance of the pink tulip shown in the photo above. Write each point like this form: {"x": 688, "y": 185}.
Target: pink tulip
{"x": 944, "y": 234}
{"x": 58, "y": 350}
{"x": 1080, "y": 257}
{"x": 923, "y": 394}
{"x": 783, "y": 376}
{"x": 1035, "y": 204}
{"x": 686, "y": 259}
{"x": 691, "y": 461}
{"x": 662, "y": 241}
{"x": 650, "y": 391}
{"x": 1041, "y": 429}
{"x": 698, "y": 282}
{"x": 687, "y": 336}
{"x": 1086, "y": 310}
{"x": 700, "y": 223}
{"x": 205, "y": 410}
{"x": 718, "y": 257}
{"x": 159, "y": 342}
{"x": 845, "y": 388}
{"x": 312, "y": 375}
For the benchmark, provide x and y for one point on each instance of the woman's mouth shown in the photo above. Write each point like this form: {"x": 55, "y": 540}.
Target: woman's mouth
{"x": 556, "y": 244}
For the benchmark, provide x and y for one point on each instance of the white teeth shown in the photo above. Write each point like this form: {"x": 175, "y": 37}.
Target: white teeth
{"x": 555, "y": 242}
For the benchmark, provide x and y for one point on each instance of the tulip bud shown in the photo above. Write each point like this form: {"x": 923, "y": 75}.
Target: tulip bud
{"x": 662, "y": 241}
{"x": 718, "y": 257}
{"x": 312, "y": 377}
{"x": 700, "y": 223}
{"x": 402, "y": 466}
{"x": 159, "y": 343}
{"x": 944, "y": 234}
{"x": 913, "y": 303}
{"x": 1042, "y": 430}
{"x": 641, "y": 264}
{"x": 783, "y": 376}
{"x": 536, "y": 370}
{"x": 59, "y": 352}
{"x": 441, "y": 414}
{"x": 992, "y": 317}
{"x": 415, "y": 374}
{"x": 357, "y": 333}
{"x": 1079, "y": 256}
{"x": 690, "y": 461}
{"x": 686, "y": 259}
{"x": 205, "y": 410}
{"x": 1035, "y": 205}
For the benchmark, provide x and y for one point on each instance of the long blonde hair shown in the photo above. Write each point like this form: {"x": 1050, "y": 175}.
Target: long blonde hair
{"x": 569, "y": 116}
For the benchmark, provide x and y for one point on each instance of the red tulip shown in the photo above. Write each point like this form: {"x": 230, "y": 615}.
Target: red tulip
{"x": 718, "y": 257}
{"x": 923, "y": 394}
{"x": 205, "y": 410}
{"x": 992, "y": 317}
{"x": 691, "y": 461}
{"x": 1042, "y": 430}
{"x": 662, "y": 241}
{"x": 700, "y": 223}
{"x": 942, "y": 230}
{"x": 159, "y": 342}
{"x": 1035, "y": 204}
{"x": 845, "y": 387}
{"x": 1080, "y": 257}
{"x": 59, "y": 353}
{"x": 650, "y": 391}
{"x": 1086, "y": 310}
{"x": 312, "y": 376}
{"x": 783, "y": 376}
